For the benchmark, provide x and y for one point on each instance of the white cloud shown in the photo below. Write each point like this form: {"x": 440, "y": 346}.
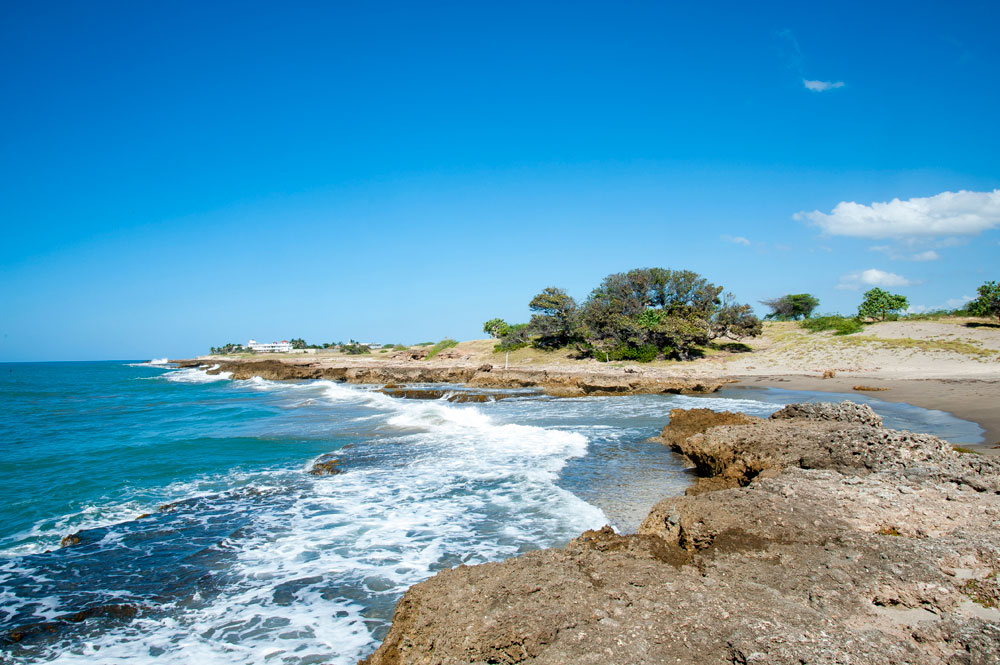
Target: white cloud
{"x": 739, "y": 240}
{"x": 871, "y": 277}
{"x": 820, "y": 86}
{"x": 896, "y": 255}
{"x": 947, "y": 213}
{"x": 952, "y": 303}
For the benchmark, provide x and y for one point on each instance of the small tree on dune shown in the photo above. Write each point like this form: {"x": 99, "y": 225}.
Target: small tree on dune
{"x": 988, "y": 302}
{"x": 878, "y": 304}
{"x": 791, "y": 307}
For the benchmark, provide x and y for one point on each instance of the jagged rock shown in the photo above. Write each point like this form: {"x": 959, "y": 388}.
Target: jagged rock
{"x": 845, "y": 412}
{"x": 326, "y": 465}
{"x": 69, "y": 540}
{"x": 557, "y": 383}
{"x": 835, "y": 540}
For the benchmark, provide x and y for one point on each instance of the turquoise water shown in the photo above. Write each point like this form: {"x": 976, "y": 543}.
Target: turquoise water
{"x": 243, "y": 557}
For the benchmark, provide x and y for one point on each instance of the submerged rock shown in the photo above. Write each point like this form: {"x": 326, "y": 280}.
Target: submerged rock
{"x": 326, "y": 465}
{"x": 827, "y": 539}
{"x": 450, "y": 395}
{"x": 70, "y": 540}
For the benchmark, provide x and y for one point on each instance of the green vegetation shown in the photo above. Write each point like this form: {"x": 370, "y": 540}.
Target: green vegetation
{"x": 840, "y": 325}
{"x": 965, "y": 451}
{"x": 907, "y": 343}
{"x": 424, "y": 344}
{"x": 354, "y": 348}
{"x": 878, "y": 304}
{"x": 446, "y": 343}
{"x": 988, "y": 302}
{"x": 791, "y": 307}
{"x": 232, "y": 347}
{"x": 980, "y": 593}
{"x": 639, "y": 315}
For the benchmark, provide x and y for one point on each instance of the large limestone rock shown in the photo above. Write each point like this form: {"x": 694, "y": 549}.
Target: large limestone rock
{"x": 832, "y": 540}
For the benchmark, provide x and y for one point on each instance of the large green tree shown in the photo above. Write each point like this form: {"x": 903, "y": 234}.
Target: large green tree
{"x": 877, "y": 304}
{"x": 672, "y": 311}
{"x": 553, "y": 318}
{"x": 791, "y": 307}
{"x": 988, "y": 302}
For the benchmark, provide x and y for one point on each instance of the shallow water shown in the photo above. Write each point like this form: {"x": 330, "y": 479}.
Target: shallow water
{"x": 246, "y": 558}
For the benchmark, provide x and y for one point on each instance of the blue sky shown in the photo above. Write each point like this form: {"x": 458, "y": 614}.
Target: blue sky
{"x": 180, "y": 175}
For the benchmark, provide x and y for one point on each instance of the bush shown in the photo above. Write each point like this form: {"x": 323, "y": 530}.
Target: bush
{"x": 355, "y": 348}
{"x": 439, "y": 347}
{"x": 840, "y": 325}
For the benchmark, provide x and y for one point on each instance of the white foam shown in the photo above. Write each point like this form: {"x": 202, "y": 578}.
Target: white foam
{"x": 449, "y": 484}
{"x": 196, "y": 375}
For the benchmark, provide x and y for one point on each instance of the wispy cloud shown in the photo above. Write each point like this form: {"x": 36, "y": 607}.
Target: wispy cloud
{"x": 792, "y": 53}
{"x": 950, "y": 303}
{"x": 820, "y": 86}
{"x": 853, "y": 281}
{"x": 947, "y": 213}
{"x": 739, "y": 240}
{"x": 896, "y": 254}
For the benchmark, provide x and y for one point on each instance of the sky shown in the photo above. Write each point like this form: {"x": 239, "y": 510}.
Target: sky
{"x": 175, "y": 176}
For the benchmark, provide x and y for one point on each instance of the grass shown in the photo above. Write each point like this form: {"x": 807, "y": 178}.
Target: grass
{"x": 975, "y": 590}
{"x": 840, "y": 325}
{"x": 964, "y": 450}
{"x": 439, "y": 347}
{"x": 905, "y": 343}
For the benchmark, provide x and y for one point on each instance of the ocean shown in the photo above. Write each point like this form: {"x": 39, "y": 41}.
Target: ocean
{"x": 203, "y": 539}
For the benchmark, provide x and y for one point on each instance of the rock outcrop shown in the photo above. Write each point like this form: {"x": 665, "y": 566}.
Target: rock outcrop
{"x": 556, "y": 383}
{"x": 827, "y": 539}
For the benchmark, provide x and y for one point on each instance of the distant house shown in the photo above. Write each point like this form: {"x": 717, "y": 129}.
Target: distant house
{"x": 283, "y": 346}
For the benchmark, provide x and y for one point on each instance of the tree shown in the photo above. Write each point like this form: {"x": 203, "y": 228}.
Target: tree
{"x": 791, "y": 307}
{"x": 988, "y": 302}
{"x": 298, "y": 343}
{"x": 496, "y": 328}
{"x": 669, "y": 311}
{"x": 553, "y": 318}
{"x": 879, "y": 304}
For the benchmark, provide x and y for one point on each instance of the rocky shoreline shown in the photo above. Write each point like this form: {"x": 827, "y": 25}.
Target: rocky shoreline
{"x": 555, "y": 382}
{"x": 815, "y": 536}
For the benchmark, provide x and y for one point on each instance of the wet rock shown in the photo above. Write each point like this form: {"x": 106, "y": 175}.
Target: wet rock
{"x": 111, "y": 611}
{"x": 326, "y": 465}
{"x": 460, "y": 397}
{"x": 70, "y": 540}
{"x": 787, "y": 560}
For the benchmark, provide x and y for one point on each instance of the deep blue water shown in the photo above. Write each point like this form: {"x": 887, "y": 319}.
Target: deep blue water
{"x": 195, "y": 512}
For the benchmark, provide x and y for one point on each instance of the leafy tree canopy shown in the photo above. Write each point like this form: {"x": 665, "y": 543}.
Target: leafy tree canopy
{"x": 877, "y": 304}
{"x": 988, "y": 302}
{"x": 791, "y": 307}
{"x": 636, "y": 315}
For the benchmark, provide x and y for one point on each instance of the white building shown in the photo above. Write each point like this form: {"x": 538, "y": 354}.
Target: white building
{"x": 284, "y": 346}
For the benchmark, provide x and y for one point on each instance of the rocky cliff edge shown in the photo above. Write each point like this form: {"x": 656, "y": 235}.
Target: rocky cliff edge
{"x": 815, "y": 536}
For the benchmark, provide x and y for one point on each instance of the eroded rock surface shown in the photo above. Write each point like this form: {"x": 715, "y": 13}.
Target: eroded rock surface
{"x": 828, "y": 539}
{"x": 557, "y": 383}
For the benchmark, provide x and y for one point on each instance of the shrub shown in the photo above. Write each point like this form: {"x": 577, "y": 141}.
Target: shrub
{"x": 355, "y": 348}
{"x": 840, "y": 325}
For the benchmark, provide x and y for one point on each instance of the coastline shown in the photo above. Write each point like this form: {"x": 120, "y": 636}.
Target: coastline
{"x": 977, "y": 400}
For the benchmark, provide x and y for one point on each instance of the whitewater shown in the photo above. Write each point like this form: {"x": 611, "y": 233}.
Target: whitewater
{"x": 204, "y": 539}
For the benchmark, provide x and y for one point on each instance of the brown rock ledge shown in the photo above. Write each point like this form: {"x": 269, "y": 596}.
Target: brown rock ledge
{"x": 834, "y": 540}
{"x": 554, "y": 382}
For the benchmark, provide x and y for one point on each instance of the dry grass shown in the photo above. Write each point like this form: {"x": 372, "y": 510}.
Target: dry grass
{"x": 927, "y": 345}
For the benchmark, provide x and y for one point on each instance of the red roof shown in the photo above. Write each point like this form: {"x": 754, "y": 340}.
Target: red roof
{"x": 284, "y": 341}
